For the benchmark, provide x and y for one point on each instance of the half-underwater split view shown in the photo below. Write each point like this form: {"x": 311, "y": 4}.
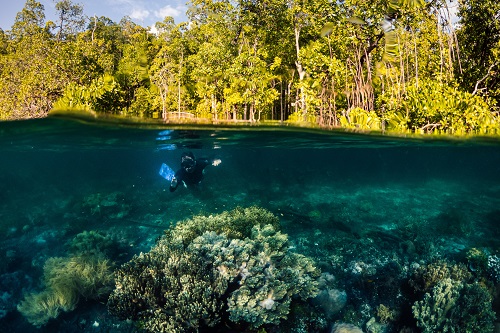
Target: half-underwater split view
{"x": 109, "y": 228}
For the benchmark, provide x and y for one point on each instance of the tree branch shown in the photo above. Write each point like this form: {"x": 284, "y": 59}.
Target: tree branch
{"x": 476, "y": 87}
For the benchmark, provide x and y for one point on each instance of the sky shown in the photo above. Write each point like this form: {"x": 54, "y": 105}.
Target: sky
{"x": 143, "y": 12}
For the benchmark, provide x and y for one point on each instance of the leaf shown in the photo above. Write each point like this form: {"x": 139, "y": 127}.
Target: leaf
{"x": 356, "y": 20}
{"x": 395, "y": 5}
{"x": 391, "y": 46}
{"x": 327, "y": 29}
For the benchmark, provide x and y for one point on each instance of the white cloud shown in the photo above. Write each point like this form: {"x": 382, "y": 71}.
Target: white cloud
{"x": 169, "y": 11}
{"x": 139, "y": 14}
{"x": 153, "y": 30}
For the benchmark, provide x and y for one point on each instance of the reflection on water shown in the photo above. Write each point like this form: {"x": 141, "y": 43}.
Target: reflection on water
{"x": 392, "y": 224}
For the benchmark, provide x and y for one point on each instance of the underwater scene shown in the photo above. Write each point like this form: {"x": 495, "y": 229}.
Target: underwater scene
{"x": 119, "y": 228}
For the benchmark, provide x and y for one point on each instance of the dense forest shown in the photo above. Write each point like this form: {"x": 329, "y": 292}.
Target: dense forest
{"x": 394, "y": 65}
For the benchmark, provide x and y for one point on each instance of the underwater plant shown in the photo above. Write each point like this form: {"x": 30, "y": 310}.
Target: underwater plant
{"x": 234, "y": 268}
{"x": 91, "y": 243}
{"x": 86, "y": 273}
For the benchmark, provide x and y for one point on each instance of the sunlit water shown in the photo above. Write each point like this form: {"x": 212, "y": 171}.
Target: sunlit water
{"x": 348, "y": 201}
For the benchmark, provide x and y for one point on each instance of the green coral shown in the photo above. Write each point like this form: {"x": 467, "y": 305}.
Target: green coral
{"x": 236, "y": 262}
{"x": 235, "y": 224}
{"x": 452, "y": 301}
{"x": 86, "y": 273}
{"x": 428, "y": 276}
{"x": 457, "y": 307}
{"x": 90, "y": 243}
{"x": 386, "y": 314}
{"x": 434, "y": 312}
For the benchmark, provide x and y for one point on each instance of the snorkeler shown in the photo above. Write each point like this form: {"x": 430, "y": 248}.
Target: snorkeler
{"x": 191, "y": 171}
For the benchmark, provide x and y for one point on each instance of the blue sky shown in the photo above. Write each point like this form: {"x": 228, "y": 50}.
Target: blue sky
{"x": 142, "y": 12}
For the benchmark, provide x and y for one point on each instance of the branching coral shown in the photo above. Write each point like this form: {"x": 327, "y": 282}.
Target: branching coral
{"x": 494, "y": 268}
{"x": 236, "y": 262}
{"x": 452, "y": 301}
{"x": 433, "y": 313}
{"x": 453, "y": 306}
{"x": 235, "y": 224}
{"x": 426, "y": 277}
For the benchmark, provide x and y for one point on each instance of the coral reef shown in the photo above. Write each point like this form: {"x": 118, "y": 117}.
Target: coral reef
{"x": 91, "y": 243}
{"x": 86, "y": 273}
{"x": 453, "y": 306}
{"x": 477, "y": 261}
{"x": 428, "y": 276}
{"x": 494, "y": 268}
{"x": 453, "y": 302}
{"x": 235, "y": 224}
{"x": 303, "y": 318}
{"x": 385, "y": 314}
{"x": 373, "y": 326}
{"x": 329, "y": 299}
{"x": 345, "y": 328}
{"x": 237, "y": 262}
{"x": 111, "y": 205}
{"x": 433, "y": 313}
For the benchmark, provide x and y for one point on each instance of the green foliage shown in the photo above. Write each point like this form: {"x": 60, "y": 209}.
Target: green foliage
{"x": 313, "y": 62}
{"x": 434, "y": 107}
{"x": 80, "y": 97}
{"x": 479, "y": 33}
{"x": 70, "y": 19}
{"x": 236, "y": 261}
{"x": 360, "y": 119}
{"x": 86, "y": 273}
{"x": 29, "y": 21}
{"x": 298, "y": 117}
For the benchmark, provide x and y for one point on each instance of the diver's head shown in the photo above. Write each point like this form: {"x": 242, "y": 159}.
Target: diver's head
{"x": 188, "y": 162}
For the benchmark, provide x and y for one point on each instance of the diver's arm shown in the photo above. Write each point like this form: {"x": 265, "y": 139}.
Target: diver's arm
{"x": 175, "y": 181}
{"x": 206, "y": 162}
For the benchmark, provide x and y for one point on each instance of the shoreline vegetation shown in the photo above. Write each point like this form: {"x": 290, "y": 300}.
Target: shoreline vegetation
{"x": 400, "y": 67}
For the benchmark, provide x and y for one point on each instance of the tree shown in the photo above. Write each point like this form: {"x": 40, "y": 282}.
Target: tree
{"x": 29, "y": 21}
{"x": 479, "y": 39}
{"x": 70, "y": 19}
{"x": 168, "y": 70}
{"x": 214, "y": 28}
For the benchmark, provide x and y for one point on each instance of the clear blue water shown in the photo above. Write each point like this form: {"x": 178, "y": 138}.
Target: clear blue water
{"x": 345, "y": 200}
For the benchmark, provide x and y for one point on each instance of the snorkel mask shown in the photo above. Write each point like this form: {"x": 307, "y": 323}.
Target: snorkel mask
{"x": 188, "y": 162}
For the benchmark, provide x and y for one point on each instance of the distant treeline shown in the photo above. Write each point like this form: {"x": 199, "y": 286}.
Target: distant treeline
{"x": 394, "y": 65}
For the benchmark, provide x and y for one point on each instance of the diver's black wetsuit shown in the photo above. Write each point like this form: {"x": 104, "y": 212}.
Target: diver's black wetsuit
{"x": 190, "y": 178}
